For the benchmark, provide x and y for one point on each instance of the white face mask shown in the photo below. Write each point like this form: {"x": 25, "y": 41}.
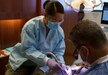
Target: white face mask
{"x": 54, "y": 25}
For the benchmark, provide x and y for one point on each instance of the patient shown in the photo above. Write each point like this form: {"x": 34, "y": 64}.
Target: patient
{"x": 92, "y": 45}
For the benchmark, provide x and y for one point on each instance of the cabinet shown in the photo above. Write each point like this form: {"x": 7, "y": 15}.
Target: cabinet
{"x": 15, "y": 9}
{"x": 10, "y": 32}
{"x": 13, "y": 15}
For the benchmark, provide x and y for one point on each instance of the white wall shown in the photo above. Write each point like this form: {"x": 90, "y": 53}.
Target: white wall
{"x": 96, "y": 16}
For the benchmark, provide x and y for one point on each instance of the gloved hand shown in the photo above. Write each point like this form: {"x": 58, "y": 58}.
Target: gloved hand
{"x": 52, "y": 63}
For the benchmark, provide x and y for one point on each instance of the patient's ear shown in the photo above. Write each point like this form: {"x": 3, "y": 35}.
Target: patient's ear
{"x": 84, "y": 52}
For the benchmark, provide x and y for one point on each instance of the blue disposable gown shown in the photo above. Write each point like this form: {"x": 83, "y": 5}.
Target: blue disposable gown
{"x": 34, "y": 44}
{"x": 98, "y": 69}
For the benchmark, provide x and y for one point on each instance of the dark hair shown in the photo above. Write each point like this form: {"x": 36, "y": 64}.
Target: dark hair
{"x": 52, "y": 7}
{"x": 88, "y": 32}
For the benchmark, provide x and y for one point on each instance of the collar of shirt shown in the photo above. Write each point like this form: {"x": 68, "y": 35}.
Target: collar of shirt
{"x": 101, "y": 60}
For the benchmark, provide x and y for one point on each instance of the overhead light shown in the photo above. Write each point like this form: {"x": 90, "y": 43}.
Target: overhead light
{"x": 89, "y": 5}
